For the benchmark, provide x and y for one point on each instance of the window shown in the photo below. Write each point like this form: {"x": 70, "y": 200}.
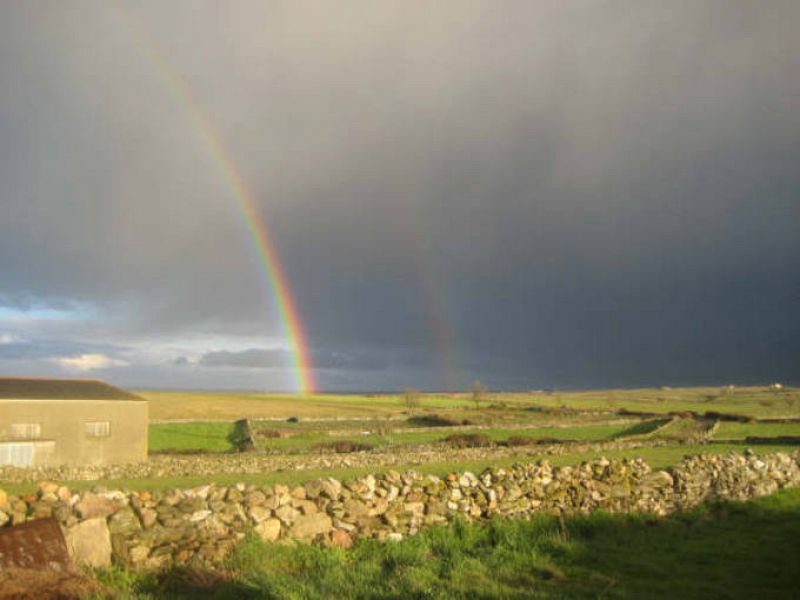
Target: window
{"x": 26, "y": 431}
{"x": 17, "y": 455}
{"x": 98, "y": 429}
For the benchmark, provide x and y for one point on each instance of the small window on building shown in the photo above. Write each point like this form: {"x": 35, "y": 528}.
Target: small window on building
{"x": 26, "y": 431}
{"x": 16, "y": 454}
{"x": 98, "y": 429}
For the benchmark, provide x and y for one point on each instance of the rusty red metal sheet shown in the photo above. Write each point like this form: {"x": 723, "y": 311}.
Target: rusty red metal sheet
{"x": 37, "y": 544}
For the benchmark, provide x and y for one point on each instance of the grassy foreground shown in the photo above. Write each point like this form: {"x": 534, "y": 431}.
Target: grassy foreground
{"x": 720, "y": 550}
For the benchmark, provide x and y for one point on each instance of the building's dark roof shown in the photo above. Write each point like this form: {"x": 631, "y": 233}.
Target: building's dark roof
{"x": 61, "y": 389}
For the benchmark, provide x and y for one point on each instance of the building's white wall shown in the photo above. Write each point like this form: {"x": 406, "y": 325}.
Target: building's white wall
{"x": 64, "y": 422}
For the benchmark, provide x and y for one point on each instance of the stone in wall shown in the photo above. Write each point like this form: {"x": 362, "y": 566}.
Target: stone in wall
{"x": 89, "y": 543}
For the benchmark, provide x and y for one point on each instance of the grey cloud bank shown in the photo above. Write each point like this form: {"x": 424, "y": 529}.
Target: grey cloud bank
{"x": 535, "y": 194}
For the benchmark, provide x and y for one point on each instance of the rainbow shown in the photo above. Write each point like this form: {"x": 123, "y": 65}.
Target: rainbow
{"x": 440, "y": 325}
{"x": 267, "y": 254}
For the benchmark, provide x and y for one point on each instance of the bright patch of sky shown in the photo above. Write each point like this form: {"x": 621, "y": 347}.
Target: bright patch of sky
{"x": 89, "y": 362}
{"x": 16, "y": 314}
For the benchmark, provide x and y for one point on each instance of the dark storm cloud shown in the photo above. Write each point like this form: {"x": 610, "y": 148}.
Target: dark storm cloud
{"x": 46, "y": 349}
{"x": 536, "y": 194}
{"x": 262, "y": 358}
{"x": 252, "y": 358}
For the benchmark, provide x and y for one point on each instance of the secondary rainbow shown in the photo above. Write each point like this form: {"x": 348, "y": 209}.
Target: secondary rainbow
{"x": 267, "y": 254}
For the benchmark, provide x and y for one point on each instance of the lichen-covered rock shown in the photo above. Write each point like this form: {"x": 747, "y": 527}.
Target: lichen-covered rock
{"x": 255, "y": 498}
{"x": 259, "y": 513}
{"x": 124, "y": 521}
{"x": 307, "y": 527}
{"x": 147, "y": 516}
{"x": 89, "y": 543}
{"x": 338, "y": 538}
{"x": 355, "y": 508}
{"x": 92, "y": 506}
{"x": 287, "y": 514}
{"x": 268, "y": 530}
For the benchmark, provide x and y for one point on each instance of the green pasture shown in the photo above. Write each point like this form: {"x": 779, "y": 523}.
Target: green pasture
{"x": 752, "y": 402}
{"x": 331, "y": 424}
{"x": 749, "y": 401}
{"x": 309, "y": 440}
{"x": 219, "y": 437}
{"x": 235, "y": 405}
{"x": 739, "y": 431}
{"x": 719, "y": 550}
{"x": 420, "y": 419}
{"x": 186, "y": 437}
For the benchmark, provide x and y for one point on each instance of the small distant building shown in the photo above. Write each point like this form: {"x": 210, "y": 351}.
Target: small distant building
{"x": 51, "y": 422}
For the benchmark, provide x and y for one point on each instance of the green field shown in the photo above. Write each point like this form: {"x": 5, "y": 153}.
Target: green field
{"x": 739, "y": 431}
{"x": 220, "y": 437}
{"x": 721, "y": 550}
{"x": 387, "y": 424}
{"x": 373, "y": 419}
{"x": 234, "y": 405}
{"x": 182, "y": 437}
{"x": 309, "y": 440}
{"x": 751, "y": 401}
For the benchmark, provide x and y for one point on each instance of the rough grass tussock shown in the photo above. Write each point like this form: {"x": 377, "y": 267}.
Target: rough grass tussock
{"x": 468, "y": 440}
{"x": 267, "y": 434}
{"x": 435, "y": 421}
{"x": 526, "y": 440}
{"x": 344, "y": 446}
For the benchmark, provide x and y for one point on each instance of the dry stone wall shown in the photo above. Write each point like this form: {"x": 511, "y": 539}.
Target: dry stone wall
{"x": 147, "y": 530}
{"x": 255, "y": 462}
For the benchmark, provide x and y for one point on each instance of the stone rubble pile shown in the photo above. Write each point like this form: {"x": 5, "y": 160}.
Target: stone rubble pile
{"x": 150, "y": 530}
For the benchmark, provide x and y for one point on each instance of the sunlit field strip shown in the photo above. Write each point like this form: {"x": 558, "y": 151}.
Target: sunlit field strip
{"x": 755, "y": 402}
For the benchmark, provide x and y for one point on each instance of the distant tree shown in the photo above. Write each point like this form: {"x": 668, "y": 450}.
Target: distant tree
{"x": 411, "y": 398}
{"x": 479, "y": 392}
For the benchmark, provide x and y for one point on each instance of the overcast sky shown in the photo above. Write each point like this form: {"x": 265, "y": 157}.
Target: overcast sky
{"x": 535, "y": 194}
